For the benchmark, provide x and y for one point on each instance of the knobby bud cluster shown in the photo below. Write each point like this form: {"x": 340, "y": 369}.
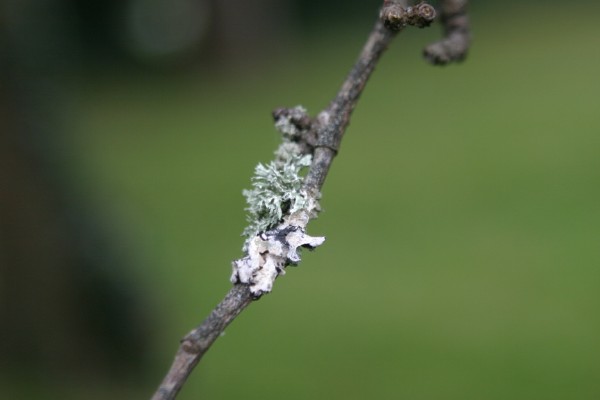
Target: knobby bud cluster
{"x": 395, "y": 17}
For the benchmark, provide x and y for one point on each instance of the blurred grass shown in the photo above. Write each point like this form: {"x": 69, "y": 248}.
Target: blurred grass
{"x": 462, "y": 216}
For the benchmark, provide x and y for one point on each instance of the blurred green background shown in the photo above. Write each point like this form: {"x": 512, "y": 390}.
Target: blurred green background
{"x": 462, "y": 214}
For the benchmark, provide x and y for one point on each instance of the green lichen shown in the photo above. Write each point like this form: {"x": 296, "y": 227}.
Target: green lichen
{"x": 276, "y": 191}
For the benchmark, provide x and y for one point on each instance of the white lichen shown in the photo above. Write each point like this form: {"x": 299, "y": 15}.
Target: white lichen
{"x": 268, "y": 254}
{"x": 279, "y": 209}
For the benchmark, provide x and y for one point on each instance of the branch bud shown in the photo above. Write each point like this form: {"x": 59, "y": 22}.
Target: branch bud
{"x": 395, "y": 17}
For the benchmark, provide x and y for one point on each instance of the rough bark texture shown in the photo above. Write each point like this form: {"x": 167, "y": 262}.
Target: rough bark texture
{"x": 322, "y": 137}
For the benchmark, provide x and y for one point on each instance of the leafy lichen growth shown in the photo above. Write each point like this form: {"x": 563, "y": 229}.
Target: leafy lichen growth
{"x": 277, "y": 186}
{"x": 278, "y": 209}
{"x": 276, "y": 190}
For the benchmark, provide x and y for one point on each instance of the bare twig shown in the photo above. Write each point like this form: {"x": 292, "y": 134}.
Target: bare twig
{"x": 322, "y": 137}
{"x": 457, "y": 37}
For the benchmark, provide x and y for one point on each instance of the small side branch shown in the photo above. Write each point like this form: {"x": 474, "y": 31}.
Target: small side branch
{"x": 457, "y": 36}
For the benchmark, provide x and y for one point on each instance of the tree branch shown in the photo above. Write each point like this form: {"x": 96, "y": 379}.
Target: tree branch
{"x": 320, "y": 136}
{"x": 193, "y": 346}
{"x": 332, "y": 122}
